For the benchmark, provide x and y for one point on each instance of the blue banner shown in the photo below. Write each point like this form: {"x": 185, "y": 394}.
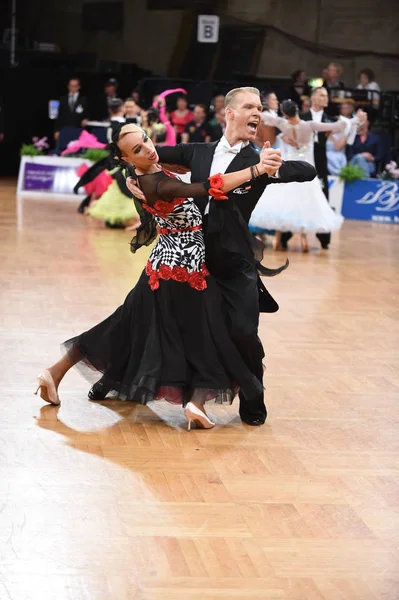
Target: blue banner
{"x": 371, "y": 200}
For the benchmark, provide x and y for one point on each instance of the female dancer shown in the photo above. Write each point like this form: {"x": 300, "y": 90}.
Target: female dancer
{"x": 169, "y": 338}
{"x": 298, "y": 207}
{"x": 114, "y": 204}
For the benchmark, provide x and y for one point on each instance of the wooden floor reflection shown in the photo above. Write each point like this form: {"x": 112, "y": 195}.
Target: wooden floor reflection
{"x": 107, "y": 501}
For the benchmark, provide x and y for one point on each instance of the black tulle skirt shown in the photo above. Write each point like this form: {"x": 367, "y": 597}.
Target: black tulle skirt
{"x": 171, "y": 343}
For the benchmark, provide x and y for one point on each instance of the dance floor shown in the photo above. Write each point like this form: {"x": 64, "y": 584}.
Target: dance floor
{"x": 110, "y": 501}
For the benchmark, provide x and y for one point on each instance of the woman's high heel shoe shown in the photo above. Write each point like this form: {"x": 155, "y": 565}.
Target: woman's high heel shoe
{"x": 46, "y": 385}
{"x": 200, "y": 419}
{"x": 304, "y": 244}
{"x": 277, "y": 242}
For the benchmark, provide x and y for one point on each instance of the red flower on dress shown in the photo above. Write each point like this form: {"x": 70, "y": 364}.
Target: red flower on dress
{"x": 216, "y": 181}
{"x": 154, "y": 281}
{"x": 180, "y": 274}
{"x": 217, "y": 194}
{"x": 197, "y": 281}
{"x": 163, "y": 207}
{"x": 165, "y": 272}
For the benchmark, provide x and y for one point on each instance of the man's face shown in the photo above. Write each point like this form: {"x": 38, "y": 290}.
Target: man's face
{"x": 332, "y": 72}
{"x": 243, "y": 116}
{"x": 130, "y": 108}
{"x": 199, "y": 114}
{"x": 320, "y": 99}
{"x": 110, "y": 90}
{"x": 73, "y": 86}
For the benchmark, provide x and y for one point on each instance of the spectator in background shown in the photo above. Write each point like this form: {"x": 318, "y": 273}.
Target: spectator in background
{"x": 270, "y": 103}
{"x": 218, "y": 129}
{"x": 133, "y": 110}
{"x": 299, "y": 87}
{"x": 198, "y": 130}
{"x": 367, "y": 82}
{"x": 336, "y": 143}
{"x": 181, "y": 116}
{"x": 102, "y": 101}
{"x": 332, "y": 80}
{"x": 334, "y": 86}
{"x": 306, "y": 104}
{"x": 218, "y": 103}
{"x": 266, "y": 133}
{"x": 117, "y": 116}
{"x": 73, "y": 109}
{"x": 347, "y": 108}
{"x": 135, "y": 95}
{"x": 366, "y": 151}
{"x": 110, "y": 90}
{"x": 216, "y": 106}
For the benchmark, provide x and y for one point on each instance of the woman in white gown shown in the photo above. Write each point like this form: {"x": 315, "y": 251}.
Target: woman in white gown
{"x": 298, "y": 207}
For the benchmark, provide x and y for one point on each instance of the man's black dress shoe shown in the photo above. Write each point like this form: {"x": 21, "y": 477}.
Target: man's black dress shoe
{"x": 254, "y": 422}
{"x": 100, "y": 389}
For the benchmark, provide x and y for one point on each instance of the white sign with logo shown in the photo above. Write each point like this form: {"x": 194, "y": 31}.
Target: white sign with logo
{"x": 208, "y": 29}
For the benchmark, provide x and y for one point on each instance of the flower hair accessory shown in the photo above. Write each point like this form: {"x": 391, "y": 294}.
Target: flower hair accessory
{"x": 215, "y": 189}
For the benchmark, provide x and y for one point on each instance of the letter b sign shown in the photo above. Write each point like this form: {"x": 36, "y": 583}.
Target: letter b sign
{"x": 208, "y": 29}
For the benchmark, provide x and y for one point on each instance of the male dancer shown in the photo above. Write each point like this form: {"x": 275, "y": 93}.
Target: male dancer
{"x": 244, "y": 293}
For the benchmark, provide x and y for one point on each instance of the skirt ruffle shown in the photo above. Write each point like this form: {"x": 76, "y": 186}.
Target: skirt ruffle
{"x": 296, "y": 207}
{"x": 113, "y": 206}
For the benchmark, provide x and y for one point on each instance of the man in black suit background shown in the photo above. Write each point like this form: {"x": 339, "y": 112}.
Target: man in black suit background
{"x": 101, "y": 103}
{"x": 319, "y": 102}
{"x": 243, "y": 291}
{"x": 73, "y": 110}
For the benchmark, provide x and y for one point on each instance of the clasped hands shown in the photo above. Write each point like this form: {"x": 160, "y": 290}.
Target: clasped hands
{"x": 271, "y": 159}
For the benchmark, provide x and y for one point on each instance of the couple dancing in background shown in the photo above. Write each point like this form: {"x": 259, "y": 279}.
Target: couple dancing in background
{"x": 188, "y": 331}
{"x": 300, "y": 207}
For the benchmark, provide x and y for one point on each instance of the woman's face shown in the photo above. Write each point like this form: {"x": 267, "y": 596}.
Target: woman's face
{"x": 347, "y": 109}
{"x": 272, "y": 102}
{"x": 364, "y": 80}
{"x": 181, "y": 104}
{"x": 301, "y": 77}
{"x": 138, "y": 150}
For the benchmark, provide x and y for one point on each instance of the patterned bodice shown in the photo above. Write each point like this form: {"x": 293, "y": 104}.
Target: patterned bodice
{"x": 179, "y": 253}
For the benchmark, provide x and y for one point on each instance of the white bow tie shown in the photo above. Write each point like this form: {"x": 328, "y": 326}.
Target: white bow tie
{"x": 230, "y": 150}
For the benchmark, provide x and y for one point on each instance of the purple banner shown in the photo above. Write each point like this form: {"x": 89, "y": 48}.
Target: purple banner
{"x": 49, "y": 178}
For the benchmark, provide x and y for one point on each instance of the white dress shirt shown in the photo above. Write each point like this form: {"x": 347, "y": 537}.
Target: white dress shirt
{"x": 72, "y": 100}
{"x": 224, "y": 155}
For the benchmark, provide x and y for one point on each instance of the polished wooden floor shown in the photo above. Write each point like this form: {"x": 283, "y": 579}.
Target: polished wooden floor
{"x": 115, "y": 502}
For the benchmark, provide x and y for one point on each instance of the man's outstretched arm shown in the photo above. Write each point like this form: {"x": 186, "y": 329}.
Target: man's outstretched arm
{"x": 182, "y": 154}
{"x": 295, "y": 170}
